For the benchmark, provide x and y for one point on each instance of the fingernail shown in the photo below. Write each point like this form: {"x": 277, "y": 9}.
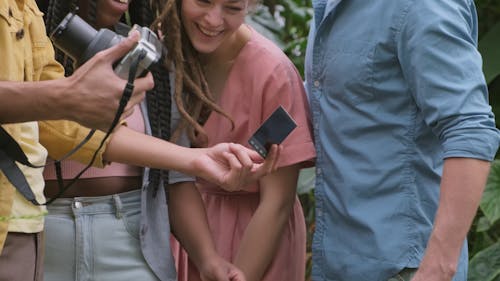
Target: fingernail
{"x": 134, "y": 34}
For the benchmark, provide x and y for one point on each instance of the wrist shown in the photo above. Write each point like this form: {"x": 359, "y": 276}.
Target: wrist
{"x": 440, "y": 258}
{"x": 50, "y": 104}
{"x": 56, "y": 100}
{"x": 206, "y": 259}
{"x": 193, "y": 161}
{"x": 65, "y": 91}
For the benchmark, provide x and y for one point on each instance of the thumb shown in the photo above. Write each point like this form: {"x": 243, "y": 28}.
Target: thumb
{"x": 121, "y": 49}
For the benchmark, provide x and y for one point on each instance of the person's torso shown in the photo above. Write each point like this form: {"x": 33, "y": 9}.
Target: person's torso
{"x": 378, "y": 163}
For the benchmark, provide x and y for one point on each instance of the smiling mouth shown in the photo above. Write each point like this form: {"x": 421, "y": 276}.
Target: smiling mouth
{"x": 123, "y": 1}
{"x": 209, "y": 32}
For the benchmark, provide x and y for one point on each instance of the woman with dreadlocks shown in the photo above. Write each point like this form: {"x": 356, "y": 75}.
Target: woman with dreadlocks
{"x": 260, "y": 229}
{"x": 116, "y": 229}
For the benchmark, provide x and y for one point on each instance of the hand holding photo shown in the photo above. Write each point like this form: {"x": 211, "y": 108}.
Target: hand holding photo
{"x": 273, "y": 131}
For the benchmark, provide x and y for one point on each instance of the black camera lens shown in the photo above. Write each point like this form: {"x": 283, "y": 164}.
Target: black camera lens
{"x": 81, "y": 41}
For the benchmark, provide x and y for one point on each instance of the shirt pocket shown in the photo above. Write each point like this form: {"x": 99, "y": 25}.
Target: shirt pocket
{"x": 349, "y": 70}
{"x": 41, "y": 46}
{"x": 6, "y": 20}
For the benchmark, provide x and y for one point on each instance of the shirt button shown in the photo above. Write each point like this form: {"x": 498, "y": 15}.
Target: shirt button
{"x": 316, "y": 83}
{"x": 20, "y": 34}
{"x": 77, "y": 204}
{"x": 318, "y": 171}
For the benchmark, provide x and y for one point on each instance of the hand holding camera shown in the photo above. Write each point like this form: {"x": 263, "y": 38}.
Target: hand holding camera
{"x": 95, "y": 54}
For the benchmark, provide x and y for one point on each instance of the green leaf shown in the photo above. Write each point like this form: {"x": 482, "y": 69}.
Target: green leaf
{"x": 490, "y": 202}
{"x": 490, "y": 51}
{"x": 262, "y": 21}
{"x": 483, "y": 224}
{"x": 485, "y": 265}
{"x": 478, "y": 241}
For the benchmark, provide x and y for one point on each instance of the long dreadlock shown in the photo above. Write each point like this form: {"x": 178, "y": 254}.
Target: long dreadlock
{"x": 192, "y": 94}
{"x": 158, "y": 99}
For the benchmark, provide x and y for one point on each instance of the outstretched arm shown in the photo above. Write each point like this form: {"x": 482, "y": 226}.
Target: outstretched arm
{"x": 224, "y": 164}
{"x": 462, "y": 186}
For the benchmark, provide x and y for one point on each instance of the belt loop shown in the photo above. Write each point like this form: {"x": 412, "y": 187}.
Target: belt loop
{"x": 118, "y": 206}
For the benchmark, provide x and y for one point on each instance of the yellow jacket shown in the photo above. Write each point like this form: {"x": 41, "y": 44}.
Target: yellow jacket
{"x": 28, "y": 55}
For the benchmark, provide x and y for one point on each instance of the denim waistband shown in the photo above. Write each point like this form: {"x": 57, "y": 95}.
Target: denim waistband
{"x": 116, "y": 203}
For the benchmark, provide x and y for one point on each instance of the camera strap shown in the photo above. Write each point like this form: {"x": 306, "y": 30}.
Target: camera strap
{"x": 11, "y": 152}
{"x": 127, "y": 93}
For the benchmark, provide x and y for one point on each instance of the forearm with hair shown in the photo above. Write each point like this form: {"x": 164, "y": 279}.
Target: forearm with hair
{"x": 31, "y": 101}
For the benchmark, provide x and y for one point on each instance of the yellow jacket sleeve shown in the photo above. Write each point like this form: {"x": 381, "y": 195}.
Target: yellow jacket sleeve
{"x": 60, "y": 136}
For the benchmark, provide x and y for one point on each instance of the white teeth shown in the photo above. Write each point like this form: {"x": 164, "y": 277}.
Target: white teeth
{"x": 209, "y": 33}
{"x": 123, "y": 1}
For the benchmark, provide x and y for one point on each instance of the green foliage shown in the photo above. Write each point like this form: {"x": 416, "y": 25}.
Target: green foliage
{"x": 484, "y": 236}
{"x": 287, "y": 24}
{"x": 485, "y": 266}
{"x": 488, "y": 12}
{"x": 489, "y": 46}
{"x": 490, "y": 203}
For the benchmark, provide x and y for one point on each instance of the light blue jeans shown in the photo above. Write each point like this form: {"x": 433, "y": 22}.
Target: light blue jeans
{"x": 95, "y": 238}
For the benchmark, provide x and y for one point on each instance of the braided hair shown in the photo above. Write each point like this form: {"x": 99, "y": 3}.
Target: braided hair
{"x": 191, "y": 92}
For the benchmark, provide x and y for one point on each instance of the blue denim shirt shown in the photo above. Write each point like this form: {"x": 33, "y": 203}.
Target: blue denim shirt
{"x": 395, "y": 87}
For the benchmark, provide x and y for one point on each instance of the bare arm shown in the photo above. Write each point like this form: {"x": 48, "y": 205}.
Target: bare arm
{"x": 90, "y": 96}
{"x": 462, "y": 186}
{"x": 262, "y": 236}
{"x": 189, "y": 224}
{"x": 30, "y": 101}
{"x": 224, "y": 164}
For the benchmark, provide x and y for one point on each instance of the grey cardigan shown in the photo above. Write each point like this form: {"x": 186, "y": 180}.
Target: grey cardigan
{"x": 154, "y": 231}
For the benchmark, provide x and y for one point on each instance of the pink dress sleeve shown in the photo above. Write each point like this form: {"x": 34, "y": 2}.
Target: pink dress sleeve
{"x": 284, "y": 87}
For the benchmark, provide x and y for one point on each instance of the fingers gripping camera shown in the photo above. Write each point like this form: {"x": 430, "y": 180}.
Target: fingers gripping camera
{"x": 80, "y": 41}
{"x": 149, "y": 45}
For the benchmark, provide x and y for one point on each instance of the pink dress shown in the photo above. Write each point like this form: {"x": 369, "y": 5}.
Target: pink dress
{"x": 261, "y": 79}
